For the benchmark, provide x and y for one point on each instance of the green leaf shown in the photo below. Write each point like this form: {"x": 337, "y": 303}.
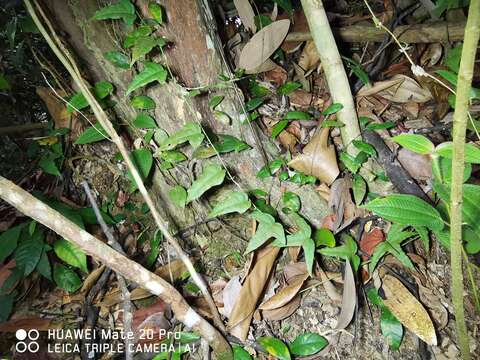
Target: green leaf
{"x": 118, "y": 59}
{"x": 144, "y": 121}
{"x": 472, "y": 153}
{"x": 350, "y": 162}
{"x": 309, "y": 253}
{"x": 173, "y": 156}
{"x": 152, "y": 72}
{"x": 143, "y": 45}
{"x": 383, "y": 126}
{"x": 308, "y": 344}
{"x": 332, "y": 109}
{"x": 78, "y": 101}
{"x": 271, "y": 168}
{"x": 240, "y": 354}
{"x": 274, "y": 347}
{"x": 28, "y": 252}
{"x": 191, "y": 132}
{"x": 178, "y": 195}
{"x": 215, "y": 101}
{"x": 365, "y": 147}
{"x": 416, "y": 143}
{"x": 278, "y": 128}
{"x": 48, "y": 165}
{"x": 233, "y": 201}
{"x": 406, "y": 210}
{"x": 124, "y": 10}
{"x": 291, "y": 201}
{"x": 8, "y": 241}
{"x": 267, "y": 229}
{"x": 6, "y": 306}
{"x": 331, "y": 123}
{"x": 4, "y": 84}
{"x": 297, "y": 115}
{"x": 445, "y": 170}
{"x": 133, "y": 36}
{"x": 43, "y": 265}
{"x": 154, "y": 249}
{"x": 143, "y": 102}
{"x": 92, "y": 134}
{"x": 324, "y": 237}
{"x": 359, "y": 189}
{"x": 253, "y": 104}
{"x": 230, "y": 143}
{"x": 211, "y": 176}
{"x": 346, "y": 251}
{"x": 71, "y": 254}
{"x": 423, "y": 233}
{"x": 143, "y": 160}
{"x": 288, "y": 88}
{"x": 156, "y": 11}
{"x": 452, "y": 58}
{"x": 357, "y": 70}
{"x": 66, "y": 279}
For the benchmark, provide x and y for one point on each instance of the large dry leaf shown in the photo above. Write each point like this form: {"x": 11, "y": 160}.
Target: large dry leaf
{"x": 349, "y": 298}
{"x": 92, "y": 279}
{"x": 230, "y": 294}
{"x": 370, "y": 240}
{"x": 263, "y": 44}
{"x": 251, "y": 292}
{"x": 408, "y": 310}
{"x": 318, "y": 158}
{"x": 286, "y": 294}
{"x": 417, "y": 165}
{"x": 267, "y": 65}
{"x": 399, "y": 88}
{"x": 56, "y": 107}
{"x": 284, "y": 311}
{"x": 246, "y": 14}
{"x": 330, "y": 289}
{"x": 173, "y": 270}
{"x": 309, "y": 59}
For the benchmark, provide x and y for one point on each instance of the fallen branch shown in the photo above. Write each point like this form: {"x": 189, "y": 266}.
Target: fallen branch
{"x": 129, "y": 269}
{"x": 15, "y": 129}
{"x": 334, "y": 71}
{"x": 460, "y": 118}
{"x": 418, "y": 33}
{"x": 66, "y": 59}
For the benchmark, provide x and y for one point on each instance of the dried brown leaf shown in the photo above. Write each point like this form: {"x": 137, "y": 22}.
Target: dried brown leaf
{"x": 285, "y": 295}
{"x": 263, "y": 44}
{"x": 284, "y": 311}
{"x": 251, "y": 292}
{"x": 370, "y": 240}
{"x": 92, "y": 279}
{"x": 399, "y": 88}
{"x": 37, "y": 323}
{"x": 408, "y": 310}
{"x": 349, "y": 298}
{"x": 246, "y": 14}
{"x": 417, "y": 165}
{"x": 56, "y": 107}
{"x": 318, "y": 158}
{"x": 309, "y": 59}
{"x": 330, "y": 289}
{"x": 230, "y": 294}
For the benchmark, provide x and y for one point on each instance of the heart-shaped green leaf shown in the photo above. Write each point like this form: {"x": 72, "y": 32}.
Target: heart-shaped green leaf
{"x": 152, "y": 72}
{"x": 71, "y": 254}
{"x": 211, "y": 176}
{"x": 66, "y": 279}
{"x": 308, "y": 344}
{"x": 124, "y": 10}
{"x": 275, "y": 347}
{"x": 233, "y": 201}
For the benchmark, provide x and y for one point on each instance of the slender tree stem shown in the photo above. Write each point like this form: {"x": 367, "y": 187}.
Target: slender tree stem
{"x": 460, "y": 118}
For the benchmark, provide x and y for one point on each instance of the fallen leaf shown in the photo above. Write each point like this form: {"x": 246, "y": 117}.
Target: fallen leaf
{"x": 278, "y": 75}
{"x": 309, "y": 59}
{"x": 330, "y": 289}
{"x": 318, "y": 158}
{"x": 300, "y": 98}
{"x": 284, "y": 311}
{"x": 55, "y": 106}
{"x": 417, "y": 165}
{"x": 252, "y": 290}
{"x": 268, "y": 65}
{"x": 246, "y": 14}
{"x": 399, "y": 88}
{"x": 370, "y": 240}
{"x": 92, "y": 279}
{"x": 174, "y": 269}
{"x": 263, "y": 44}
{"x": 230, "y": 295}
{"x": 349, "y": 298}
{"x": 286, "y": 294}
{"x": 114, "y": 297}
{"x": 408, "y": 310}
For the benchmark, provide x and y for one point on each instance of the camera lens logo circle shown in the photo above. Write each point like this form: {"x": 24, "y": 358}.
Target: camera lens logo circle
{"x": 32, "y": 346}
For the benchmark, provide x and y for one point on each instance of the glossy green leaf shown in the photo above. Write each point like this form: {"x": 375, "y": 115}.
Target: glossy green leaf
{"x": 324, "y": 237}
{"x": 275, "y": 347}
{"x": 297, "y": 115}
{"x": 444, "y": 172}
{"x": 309, "y": 253}
{"x": 331, "y": 123}
{"x": 124, "y": 10}
{"x": 144, "y": 121}
{"x": 8, "y": 241}
{"x": 78, "y": 101}
{"x": 71, "y": 254}
{"x": 267, "y": 229}
{"x": 332, "y": 109}
{"x": 383, "y": 126}
{"x": 253, "y": 103}
{"x": 472, "y": 152}
{"x": 28, "y": 252}
{"x": 142, "y": 46}
{"x": 43, "y": 265}
{"x": 118, "y": 59}
{"x": 143, "y": 161}
{"x": 92, "y": 134}
{"x": 278, "y": 128}
{"x": 288, "y": 88}
{"x": 350, "y": 162}
{"x": 156, "y": 11}
{"x": 365, "y": 147}
{"x": 291, "y": 201}
{"x": 240, "y": 354}
{"x": 134, "y": 35}
{"x": 406, "y": 210}
{"x": 417, "y": 143}
{"x": 359, "y": 188}
{"x": 345, "y": 251}
{"x": 151, "y": 73}
{"x": 143, "y": 102}
{"x": 211, "y": 176}
{"x": 178, "y": 195}
{"x": 308, "y": 344}
{"x": 270, "y": 169}
{"x": 233, "y": 201}
{"x": 191, "y": 132}
{"x": 66, "y": 279}
{"x": 48, "y": 165}
{"x": 230, "y": 143}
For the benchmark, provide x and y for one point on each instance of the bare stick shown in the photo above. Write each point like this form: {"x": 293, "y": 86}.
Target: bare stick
{"x": 127, "y": 305}
{"x": 334, "y": 71}
{"x": 460, "y": 119}
{"x": 37, "y": 210}
{"x": 67, "y": 61}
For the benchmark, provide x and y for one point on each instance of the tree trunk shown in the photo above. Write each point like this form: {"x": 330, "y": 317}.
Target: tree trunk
{"x": 196, "y": 61}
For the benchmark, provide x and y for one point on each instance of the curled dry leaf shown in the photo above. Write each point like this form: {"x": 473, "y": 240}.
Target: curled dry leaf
{"x": 309, "y": 59}
{"x": 230, "y": 294}
{"x": 318, "y": 158}
{"x": 300, "y": 98}
{"x": 246, "y": 14}
{"x": 399, "y": 88}
{"x": 251, "y": 291}
{"x": 370, "y": 240}
{"x": 349, "y": 298}
{"x": 263, "y": 44}
{"x": 55, "y": 106}
{"x": 91, "y": 279}
{"x": 408, "y": 310}
{"x": 417, "y": 165}
{"x": 286, "y": 294}
{"x": 330, "y": 289}
{"x": 284, "y": 311}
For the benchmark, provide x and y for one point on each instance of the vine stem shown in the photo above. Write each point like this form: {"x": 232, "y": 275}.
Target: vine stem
{"x": 460, "y": 119}
{"x": 66, "y": 59}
